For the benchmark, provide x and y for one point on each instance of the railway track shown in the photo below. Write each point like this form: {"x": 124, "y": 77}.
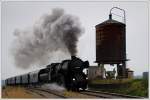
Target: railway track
{"x": 37, "y": 93}
{"x": 45, "y": 92}
{"x": 59, "y": 94}
{"x": 87, "y": 93}
{"x": 107, "y": 95}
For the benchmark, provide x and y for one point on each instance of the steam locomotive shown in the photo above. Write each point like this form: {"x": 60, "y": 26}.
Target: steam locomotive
{"x": 69, "y": 73}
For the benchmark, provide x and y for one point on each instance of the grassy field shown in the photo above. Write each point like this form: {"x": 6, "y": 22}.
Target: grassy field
{"x": 15, "y": 92}
{"x": 135, "y": 87}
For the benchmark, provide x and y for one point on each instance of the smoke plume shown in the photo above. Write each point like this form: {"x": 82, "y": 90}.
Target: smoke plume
{"x": 53, "y": 34}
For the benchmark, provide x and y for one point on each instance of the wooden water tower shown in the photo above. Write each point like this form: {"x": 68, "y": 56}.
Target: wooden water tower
{"x": 111, "y": 43}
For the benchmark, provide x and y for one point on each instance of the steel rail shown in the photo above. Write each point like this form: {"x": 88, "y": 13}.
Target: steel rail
{"x": 114, "y": 94}
{"x": 37, "y": 93}
{"x": 99, "y": 96}
{"x": 48, "y": 91}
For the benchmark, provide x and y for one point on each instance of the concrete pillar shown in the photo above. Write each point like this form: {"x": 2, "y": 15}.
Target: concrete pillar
{"x": 101, "y": 70}
{"x": 124, "y": 70}
{"x": 121, "y": 70}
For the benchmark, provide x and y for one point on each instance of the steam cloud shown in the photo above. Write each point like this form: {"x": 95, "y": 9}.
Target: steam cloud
{"x": 54, "y": 36}
{"x": 53, "y": 86}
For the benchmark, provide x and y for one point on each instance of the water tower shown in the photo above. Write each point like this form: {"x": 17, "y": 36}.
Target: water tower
{"x": 111, "y": 43}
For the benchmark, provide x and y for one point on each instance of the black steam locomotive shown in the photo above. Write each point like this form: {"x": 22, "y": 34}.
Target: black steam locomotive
{"x": 68, "y": 73}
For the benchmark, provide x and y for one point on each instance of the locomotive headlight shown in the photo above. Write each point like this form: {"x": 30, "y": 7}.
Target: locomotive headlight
{"x": 86, "y": 78}
{"x": 73, "y": 79}
{"x": 85, "y": 71}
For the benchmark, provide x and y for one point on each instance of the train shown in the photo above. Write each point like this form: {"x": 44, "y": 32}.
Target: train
{"x": 70, "y": 73}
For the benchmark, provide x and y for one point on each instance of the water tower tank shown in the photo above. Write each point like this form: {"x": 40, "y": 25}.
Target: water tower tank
{"x": 110, "y": 42}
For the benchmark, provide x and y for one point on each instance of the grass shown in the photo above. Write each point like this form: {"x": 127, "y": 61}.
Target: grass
{"x": 107, "y": 81}
{"x": 135, "y": 87}
{"x": 15, "y": 92}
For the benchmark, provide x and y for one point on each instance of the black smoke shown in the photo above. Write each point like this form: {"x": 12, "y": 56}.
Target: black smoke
{"x": 53, "y": 36}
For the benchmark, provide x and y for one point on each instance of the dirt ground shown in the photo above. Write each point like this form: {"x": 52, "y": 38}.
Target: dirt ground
{"x": 16, "y": 92}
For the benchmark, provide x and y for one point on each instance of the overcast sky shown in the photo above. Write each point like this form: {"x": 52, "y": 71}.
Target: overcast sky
{"x": 21, "y": 15}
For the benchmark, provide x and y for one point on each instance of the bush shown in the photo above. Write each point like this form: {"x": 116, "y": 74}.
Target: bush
{"x": 135, "y": 87}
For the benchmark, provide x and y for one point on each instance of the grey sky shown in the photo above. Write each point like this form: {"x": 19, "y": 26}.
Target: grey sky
{"x": 21, "y": 15}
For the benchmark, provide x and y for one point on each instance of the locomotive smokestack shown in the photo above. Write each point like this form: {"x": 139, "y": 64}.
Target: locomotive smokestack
{"x": 55, "y": 35}
{"x": 110, "y": 16}
{"x": 73, "y": 57}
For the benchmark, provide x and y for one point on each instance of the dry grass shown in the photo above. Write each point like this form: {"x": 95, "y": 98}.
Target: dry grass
{"x": 15, "y": 92}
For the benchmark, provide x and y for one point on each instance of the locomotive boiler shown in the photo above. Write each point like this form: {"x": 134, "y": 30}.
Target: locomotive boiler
{"x": 69, "y": 74}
